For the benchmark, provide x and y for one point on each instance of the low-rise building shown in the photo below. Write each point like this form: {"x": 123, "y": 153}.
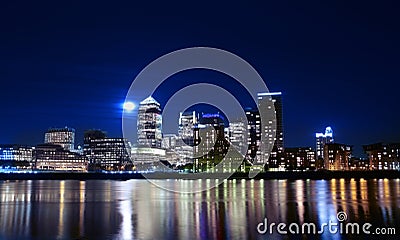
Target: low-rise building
{"x": 147, "y": 158}
{"x": 106, "y": 153}
{"x": 300, "y": 158}
{"x": 61, "y": 136}
{"x": 383, "y": 156}
{"x": 55, "y": 157}
{"x": 358, "y": 164}
{"x": 16, "y": 156}
{"x": 337, "y": 156}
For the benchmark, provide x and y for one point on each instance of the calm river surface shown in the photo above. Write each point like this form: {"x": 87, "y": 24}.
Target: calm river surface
{"x": 136, "y": 209}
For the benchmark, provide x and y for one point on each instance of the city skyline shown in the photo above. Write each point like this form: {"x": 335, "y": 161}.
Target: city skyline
{"x": 199, "y": 119}
{"x": 150, "y": 115}
{"x": 339, "y": 71}
{"x": 318, "y": 137}
{"x": 212, "y": 110}
{"x": 100, "y": 152}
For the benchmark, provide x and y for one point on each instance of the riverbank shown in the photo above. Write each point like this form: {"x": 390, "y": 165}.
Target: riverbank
{"x": 389, "y": 174}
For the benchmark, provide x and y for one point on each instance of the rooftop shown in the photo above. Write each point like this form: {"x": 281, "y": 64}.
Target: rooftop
{"x": 149, "y": 100}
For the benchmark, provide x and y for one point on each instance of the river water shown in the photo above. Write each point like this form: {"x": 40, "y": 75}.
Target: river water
{"x": 137, "y": 209}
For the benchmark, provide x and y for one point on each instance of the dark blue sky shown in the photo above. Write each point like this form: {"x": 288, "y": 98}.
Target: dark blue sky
{"x": 72, "y": 62}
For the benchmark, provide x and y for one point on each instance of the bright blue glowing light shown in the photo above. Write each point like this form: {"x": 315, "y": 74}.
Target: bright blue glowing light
{"x": 328, "y": 133}
{"x": 212, "y": 115}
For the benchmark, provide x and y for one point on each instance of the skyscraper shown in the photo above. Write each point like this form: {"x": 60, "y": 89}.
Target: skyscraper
{"x": 322, "y": 139}
{"x": 270, "y": 135}
{"x": 64, "y": 137}
{"x": 236, "y": 134}
{"x": 253, "y": 135}
{"x": 210, "y": 143}
{"x": 149, "y": 123}
{"x": 187, "y": 121}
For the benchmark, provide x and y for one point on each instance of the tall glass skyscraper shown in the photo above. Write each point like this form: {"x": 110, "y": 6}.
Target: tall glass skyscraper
{"x": 187, "y": 121}
{"x": 210, "y": 143}
{"x": 149, "y": 123}
{"x": 236, "y": 133}
{"x": 270, "y": 135}
{"x": 253, "y": 135}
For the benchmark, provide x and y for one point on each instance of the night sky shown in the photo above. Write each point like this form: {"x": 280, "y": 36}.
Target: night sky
{"x": 72, "y": 62}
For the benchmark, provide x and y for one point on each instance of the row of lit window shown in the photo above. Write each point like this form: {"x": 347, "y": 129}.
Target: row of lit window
{"x": 58, "y": 160}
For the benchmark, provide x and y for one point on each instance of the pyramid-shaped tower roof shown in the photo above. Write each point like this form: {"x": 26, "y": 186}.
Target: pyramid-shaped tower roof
{"x": 149, "y": 100}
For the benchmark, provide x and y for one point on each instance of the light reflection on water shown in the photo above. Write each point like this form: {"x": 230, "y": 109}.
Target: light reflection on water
{"x": 136, "y": 209}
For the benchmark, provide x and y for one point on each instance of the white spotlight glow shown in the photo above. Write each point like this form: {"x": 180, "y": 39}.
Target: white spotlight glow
{"x": 129, "y": 106}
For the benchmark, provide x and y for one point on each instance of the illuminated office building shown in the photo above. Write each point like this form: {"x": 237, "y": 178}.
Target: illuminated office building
{"x": 169, "y": 141}
{"x": 187, "y": 121}
{"x": 271, "y": 103}
{"x": 210, "y": 145}
{"x": 107, "y": 153}
{"x": 148, "y": 153}
{"x": 236, "y": 134}
{"x": 55, "y": 157}
{"x": 253, "y": 135}
{"x": 169, "y": 144}
{"x": 243, "y": 142}
{"x": 64, "y": 137}
{"x": 382, "y": 156}
{"x": 149, "y": 123}
{"x": 321, "y": 140}
{"x": 185, "y": 144}
{"x": 16, "y": 156}
{"x": 184, "y": 153}
{"x": 147, "y": 158}
{"x": 176, "y": 150}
